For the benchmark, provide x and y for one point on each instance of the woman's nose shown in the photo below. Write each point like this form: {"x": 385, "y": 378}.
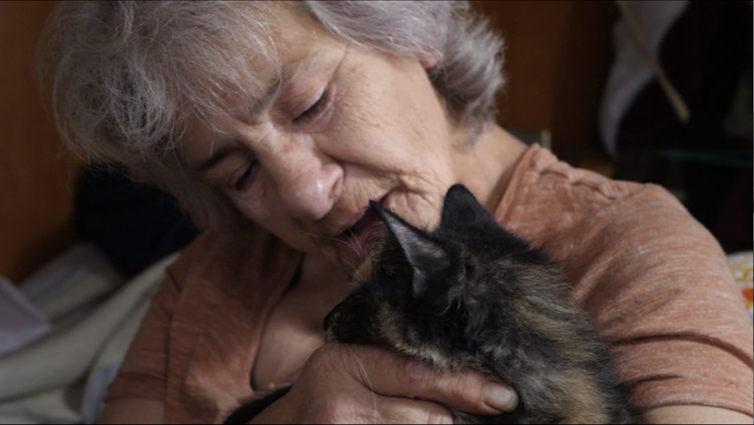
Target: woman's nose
{"x": 309, "y": 184}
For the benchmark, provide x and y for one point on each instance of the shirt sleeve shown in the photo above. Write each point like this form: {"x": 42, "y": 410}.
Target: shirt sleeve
{"x": 659, "y": 287}
{"x": 143, "y": 373}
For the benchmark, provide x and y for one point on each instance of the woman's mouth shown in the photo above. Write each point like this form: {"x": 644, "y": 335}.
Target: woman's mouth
{"x": 360, "y": 238}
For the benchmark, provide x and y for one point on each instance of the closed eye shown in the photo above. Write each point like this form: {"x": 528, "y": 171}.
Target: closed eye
{"x": 315, "y": 109}
{"x": 242, "y": 181}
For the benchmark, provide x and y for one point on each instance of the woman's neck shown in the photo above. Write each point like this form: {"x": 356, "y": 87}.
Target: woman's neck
{"x": 319, "y": 287}
{"x": 486, "y": 167}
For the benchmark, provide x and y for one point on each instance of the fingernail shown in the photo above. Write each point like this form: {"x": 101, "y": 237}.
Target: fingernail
{"x": 500, "y": 397}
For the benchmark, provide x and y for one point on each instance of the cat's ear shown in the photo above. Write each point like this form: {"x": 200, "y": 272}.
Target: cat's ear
{"x": 461, "y": 209}
{"x": 425, "y": 255}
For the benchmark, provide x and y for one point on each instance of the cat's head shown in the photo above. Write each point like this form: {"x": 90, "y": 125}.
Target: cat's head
{"x": 430, "y": 294}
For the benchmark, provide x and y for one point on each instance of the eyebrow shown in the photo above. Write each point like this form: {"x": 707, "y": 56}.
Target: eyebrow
{"x": 264, "y": 101}
{"x": 269, "y": 94}
{"x": 290, "y": 71}
{"x": 216, "y": 158}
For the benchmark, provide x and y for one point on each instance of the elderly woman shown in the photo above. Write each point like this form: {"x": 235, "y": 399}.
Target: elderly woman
{"x": 275, "y": 123}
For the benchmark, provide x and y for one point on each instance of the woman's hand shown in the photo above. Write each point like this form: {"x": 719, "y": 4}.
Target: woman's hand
{"x": 365, "y": 384}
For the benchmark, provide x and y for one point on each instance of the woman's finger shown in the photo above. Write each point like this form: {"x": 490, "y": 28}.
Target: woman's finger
{"x": 399, "y": 410}
{"x": 395, "y": 375}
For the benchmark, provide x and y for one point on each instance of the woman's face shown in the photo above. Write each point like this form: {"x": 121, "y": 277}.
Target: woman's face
{"x": 344, "y": 126}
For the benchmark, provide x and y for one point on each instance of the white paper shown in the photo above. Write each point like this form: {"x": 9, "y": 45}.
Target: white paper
{"x": 20, "y": 322}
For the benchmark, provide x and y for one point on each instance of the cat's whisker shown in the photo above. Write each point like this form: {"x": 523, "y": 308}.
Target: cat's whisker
{"x": 352, "y": 244}
{"x": 329, "y": 238}
{"x": 359, "y": 247}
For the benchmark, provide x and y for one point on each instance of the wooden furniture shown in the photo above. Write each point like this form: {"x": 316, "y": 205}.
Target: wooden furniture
{"x": 557, "y": 58}
{"x": 37, "y": 180}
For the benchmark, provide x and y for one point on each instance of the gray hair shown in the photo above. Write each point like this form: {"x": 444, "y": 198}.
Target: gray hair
{"x": 126, "y": 77}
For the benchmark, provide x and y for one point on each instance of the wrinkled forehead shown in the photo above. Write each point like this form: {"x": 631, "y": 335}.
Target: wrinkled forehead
{"x": 240, "y": 52}
{"x": 297, "y": 46}
{"x": 276, "y": 45}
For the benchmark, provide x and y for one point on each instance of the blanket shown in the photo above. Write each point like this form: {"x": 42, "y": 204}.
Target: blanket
{"x": 62, "y": 376}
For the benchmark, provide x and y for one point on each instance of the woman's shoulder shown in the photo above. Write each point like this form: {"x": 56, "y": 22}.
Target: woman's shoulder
{"x": 547, "y": 197}
{"x": 541, "y": 174}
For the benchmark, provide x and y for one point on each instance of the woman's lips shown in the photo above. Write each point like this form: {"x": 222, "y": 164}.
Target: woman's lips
{"x": 358, "y": 217}
{"x": 363, "y": 233}
{"x": 352, "y": 223}
{"x": 361, "y": 237}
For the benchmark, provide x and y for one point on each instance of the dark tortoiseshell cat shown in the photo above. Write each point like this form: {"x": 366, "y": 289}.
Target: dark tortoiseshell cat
{"x": 472, "y": 295}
